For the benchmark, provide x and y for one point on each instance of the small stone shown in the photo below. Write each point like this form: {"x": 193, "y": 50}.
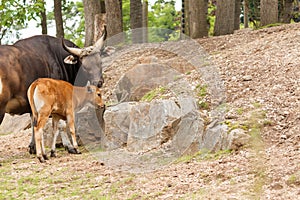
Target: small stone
{"x": 283, "y": 137}
{"x": 277, "y": 186}
{"x": 247, "y": 78}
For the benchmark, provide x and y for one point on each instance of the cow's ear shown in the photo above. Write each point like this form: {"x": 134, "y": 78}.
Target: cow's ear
{"x": 107, "y": 51}
{"x": 70, "y": 60}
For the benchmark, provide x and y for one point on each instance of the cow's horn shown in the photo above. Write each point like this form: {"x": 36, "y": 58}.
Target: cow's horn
{"x": 72, "y": 50}
{"x": 99, "y": 44}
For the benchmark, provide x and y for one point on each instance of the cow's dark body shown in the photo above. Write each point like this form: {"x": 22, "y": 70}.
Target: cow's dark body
{"x": 24, "y": 62}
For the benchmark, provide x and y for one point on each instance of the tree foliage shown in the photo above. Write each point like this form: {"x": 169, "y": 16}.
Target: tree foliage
{"x": 164, "y": 16}
{"x": 15, "y": 15}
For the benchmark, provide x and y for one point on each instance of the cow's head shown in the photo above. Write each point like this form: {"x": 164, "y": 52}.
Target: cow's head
{"x": 90, "y": 59}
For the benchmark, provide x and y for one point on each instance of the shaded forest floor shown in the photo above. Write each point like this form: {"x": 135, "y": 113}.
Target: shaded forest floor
{"x": 261, "y": 73}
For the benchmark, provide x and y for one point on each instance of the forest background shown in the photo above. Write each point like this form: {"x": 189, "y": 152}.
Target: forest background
{"x": 81, "y": 21}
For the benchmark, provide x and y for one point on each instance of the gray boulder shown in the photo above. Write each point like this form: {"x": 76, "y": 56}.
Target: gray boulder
{"x": 143, "y": 126}
{"x": 141, "y": 79}
{"x": 15, "y": 123}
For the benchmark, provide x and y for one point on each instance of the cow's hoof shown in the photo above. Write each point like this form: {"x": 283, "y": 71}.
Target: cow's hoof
{"x": 52, "y": 154}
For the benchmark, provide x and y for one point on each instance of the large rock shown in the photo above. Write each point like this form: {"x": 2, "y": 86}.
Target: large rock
{"x": 15, "y": 124}
{"x": 143, "y": 126}
{"x": 143, "y": 78}
{"x": 215, "y": 137}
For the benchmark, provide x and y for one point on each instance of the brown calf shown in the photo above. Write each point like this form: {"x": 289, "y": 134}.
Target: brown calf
{"x": 60, "y": 100}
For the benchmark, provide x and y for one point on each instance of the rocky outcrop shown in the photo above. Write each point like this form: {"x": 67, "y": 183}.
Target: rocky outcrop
{"x": 142, "y": 126}
{"x": 143, "y": 78}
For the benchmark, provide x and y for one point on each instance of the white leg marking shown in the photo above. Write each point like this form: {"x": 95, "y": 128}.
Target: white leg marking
{"x": 1, "y": 86}
{"x": 38, "y": 102}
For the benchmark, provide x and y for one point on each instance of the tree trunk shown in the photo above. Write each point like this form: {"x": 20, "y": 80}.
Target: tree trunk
{"x": 136, "y": 20}
{"x": 246, "y": 13}
{"x": 287, "y": 11}
{"x": 58, "y": 19}
{"x": 237, "y": 13}
{"x": 225, "y": 13}
{"x": 114, "y": 17}
{"x": 44, "y": 19}
{"x": 91, "y": 9}
{"x": 145, "y": 21}
{"x": 198, "y": 18}
{"x": 268, "y": 12}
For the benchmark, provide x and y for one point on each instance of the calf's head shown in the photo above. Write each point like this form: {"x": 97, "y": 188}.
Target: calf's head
{"x": 90, "y": 59}
{"x": 94, "y": 96}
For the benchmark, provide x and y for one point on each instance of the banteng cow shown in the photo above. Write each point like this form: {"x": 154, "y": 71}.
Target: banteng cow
{"x": 44, "y": 56}
{"x": 60, "y": 100}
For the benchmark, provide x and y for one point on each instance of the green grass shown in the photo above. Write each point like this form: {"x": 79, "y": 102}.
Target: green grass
{"x": 203, "y": 155}
{"x": 155, "y": 93}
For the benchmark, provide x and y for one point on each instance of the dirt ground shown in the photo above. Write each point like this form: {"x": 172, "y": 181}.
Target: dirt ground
{"x": 261, "y": 73}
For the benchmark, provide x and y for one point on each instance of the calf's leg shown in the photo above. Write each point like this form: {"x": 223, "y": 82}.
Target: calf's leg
{"x": 70, "y": 121}
{"x": 38, "y": 131}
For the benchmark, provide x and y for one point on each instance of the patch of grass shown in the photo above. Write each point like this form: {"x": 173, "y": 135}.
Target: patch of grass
{"x": 240, "y": 111}
{"x": 235, "y": 125}
{"x": 201, "y": 93}
{"x": 203, "y": 155}
{"x": 157, "y": 92}
{"x": 201, "y": 90}
{"x": 255, "y": 123}
{"x": 256, "y": 105}
{"x": 294, "y": 179}
{"x": 270, "y": 25}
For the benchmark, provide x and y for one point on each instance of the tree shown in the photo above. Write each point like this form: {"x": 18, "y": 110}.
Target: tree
{"x": 287, "y": 11}
{"x": 246, "y": 13}
{"x": 225, "y": 15}
{"x": 114, "y": 17}
{"x": 198, "y": 26}
{"x": 268, "y": 12}
{"x": 145, "y": 21}
{"x": 44, "y": 19}
{"x": 91, "y": 9}
{"x": 58, "y": 19}
{"x": 237, "y": 13}
{"x": 136, "y": 20}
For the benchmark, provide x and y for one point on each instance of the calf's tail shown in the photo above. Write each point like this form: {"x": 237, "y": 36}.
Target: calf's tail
{"x": 30, "y": 96}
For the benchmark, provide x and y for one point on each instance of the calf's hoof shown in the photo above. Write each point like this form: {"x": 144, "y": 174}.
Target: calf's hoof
{"x": 45, "y": 157}
{"x": 41, "y": 159}
{"x": 77, "y": 151}
{"x": 32, "y": 149}
{"x": 73, "y": 150}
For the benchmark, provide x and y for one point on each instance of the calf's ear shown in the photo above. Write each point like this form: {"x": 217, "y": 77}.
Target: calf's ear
{"x": 70, "y": 60}
{"x": 88, "y": 87}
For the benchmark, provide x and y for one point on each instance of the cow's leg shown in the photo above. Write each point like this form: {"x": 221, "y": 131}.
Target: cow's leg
{"x": 32, "y": 149}
{"x": 55, "y": 121}
{"x": 2, "y": 113}
{"x": 70, "y": 121}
